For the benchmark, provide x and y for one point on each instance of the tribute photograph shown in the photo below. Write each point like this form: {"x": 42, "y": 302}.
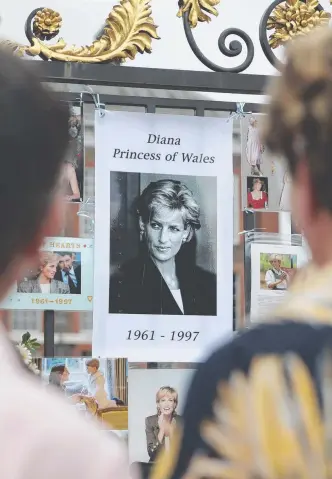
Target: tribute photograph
{"x": 72, "y": 180}
{"x": 95, "y": 388}
{"x": 172, "y": 236}
{"x": 156, "y": 399}
{"x": 273, "y": 268}
{"x": 163, "y": 235}
{"x": 266, "y": 183}
{"x": 61, "y": 278}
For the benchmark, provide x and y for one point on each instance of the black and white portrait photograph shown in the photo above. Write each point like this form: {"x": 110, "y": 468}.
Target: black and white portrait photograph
{"x": 163, "y": 244}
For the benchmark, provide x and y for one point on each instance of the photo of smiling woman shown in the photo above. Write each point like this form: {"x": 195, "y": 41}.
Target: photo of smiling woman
{"x": 164, "y": 277}
{"x": 43, "y": 281}
{"x": 159, "y": 427}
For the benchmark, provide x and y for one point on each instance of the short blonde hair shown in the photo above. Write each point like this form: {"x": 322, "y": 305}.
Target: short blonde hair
{"x": 167, "y": 391}
{"x": 275, "y": 257}
{"x": 299, "y": 121}
{"x": 46, "y": 257}
{"x": 173, "y": 195}
{"x": 94, "y": 363}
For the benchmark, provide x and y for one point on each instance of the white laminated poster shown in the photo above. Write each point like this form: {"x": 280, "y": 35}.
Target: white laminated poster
{"x": 61, "y": 280}
{"x": 266, "y": 182}
{"x": 163, "y": 236}
{"x": 273, "y": 268}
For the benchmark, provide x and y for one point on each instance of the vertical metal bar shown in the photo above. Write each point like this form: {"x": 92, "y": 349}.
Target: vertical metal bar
{"x": 199, "y": 111}
{"x": 249, "y": 224}
{"x": 49, "y": 334}
{"x": 151, "y": 108}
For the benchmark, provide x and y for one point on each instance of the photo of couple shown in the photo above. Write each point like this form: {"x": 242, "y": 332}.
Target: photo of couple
{"x": 94, "y": 387}
{"x": 57, "y": 273}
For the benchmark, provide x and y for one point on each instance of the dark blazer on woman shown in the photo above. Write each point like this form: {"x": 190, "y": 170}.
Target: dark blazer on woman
{"x": 139, "y": 288}
{"x": 152, "y": 431}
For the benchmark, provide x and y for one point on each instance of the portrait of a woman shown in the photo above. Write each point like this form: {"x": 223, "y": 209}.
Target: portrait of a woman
{"x": 164, "y": 278}
{"x": 257, "y": 196}
{"x": 44, "y": 281}
{"x": 254, "y": 148}
{"x": 70, "y": 182}
{"x": 159, "y": 427}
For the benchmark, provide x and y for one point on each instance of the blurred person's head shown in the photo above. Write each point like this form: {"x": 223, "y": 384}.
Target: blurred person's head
{"x": 92, "y": 365}
{"x": 299, "y": 127}
{"x": 58, "y": 376}
{"x": 33, "y": 143}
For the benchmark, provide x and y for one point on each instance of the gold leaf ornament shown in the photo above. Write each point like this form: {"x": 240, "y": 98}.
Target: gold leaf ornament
{"x": 46, "y": 24}
{"x": 129, "y": 29}
{"x": 293, "y": 18}
{"x": 197, "y": 9}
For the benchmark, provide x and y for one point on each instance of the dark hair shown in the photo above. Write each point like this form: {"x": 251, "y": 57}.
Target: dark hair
{"x": 55, "y": 375}
{"x": 299, "y": 121}
{"x": 33, "y": 143}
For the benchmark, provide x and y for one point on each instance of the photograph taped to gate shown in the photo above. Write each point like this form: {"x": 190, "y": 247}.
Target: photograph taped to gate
{"x": 62, "y": 278}
{"x": 273, "y": 192}
{"x": 156, "y": 399}
{"x": 164, "y": 228}
{"x": 95, "y": 388}
{"x": 72, "y": 179}
{"x": 173, "y": 240}
{"x": 273, "y": 268}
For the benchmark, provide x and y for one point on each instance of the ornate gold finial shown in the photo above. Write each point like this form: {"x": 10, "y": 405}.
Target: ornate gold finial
{"x": 196, "y": 10}
{"x": 295, "y": 17}
{"x": 129, "y": 29}
{"x": 46, "y": 24}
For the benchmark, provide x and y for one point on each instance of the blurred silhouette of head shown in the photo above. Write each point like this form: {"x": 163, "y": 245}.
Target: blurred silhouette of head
{"x": 33, "y": 143}
{"x": 299, "y": 127}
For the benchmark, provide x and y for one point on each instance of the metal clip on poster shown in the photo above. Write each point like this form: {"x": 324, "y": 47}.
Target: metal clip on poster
{"x": 87, "y": 210}
{"x": 96, "y": 100}
{"x": 270, "y": 261}
{"x": 239, "y": 112}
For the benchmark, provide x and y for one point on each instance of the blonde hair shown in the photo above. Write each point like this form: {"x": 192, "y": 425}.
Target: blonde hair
{"x": 275, "y": 257}
{"x": 167, "y": 391}
{"x": 173, "y": 195}
{"x": 299, "y": 121}
{"x": 94, "y": 363}
{"x": 46, "y": 257}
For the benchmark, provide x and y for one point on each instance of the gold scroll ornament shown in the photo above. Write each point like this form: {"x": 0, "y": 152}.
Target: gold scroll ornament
{"x": 129, "y": 29}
